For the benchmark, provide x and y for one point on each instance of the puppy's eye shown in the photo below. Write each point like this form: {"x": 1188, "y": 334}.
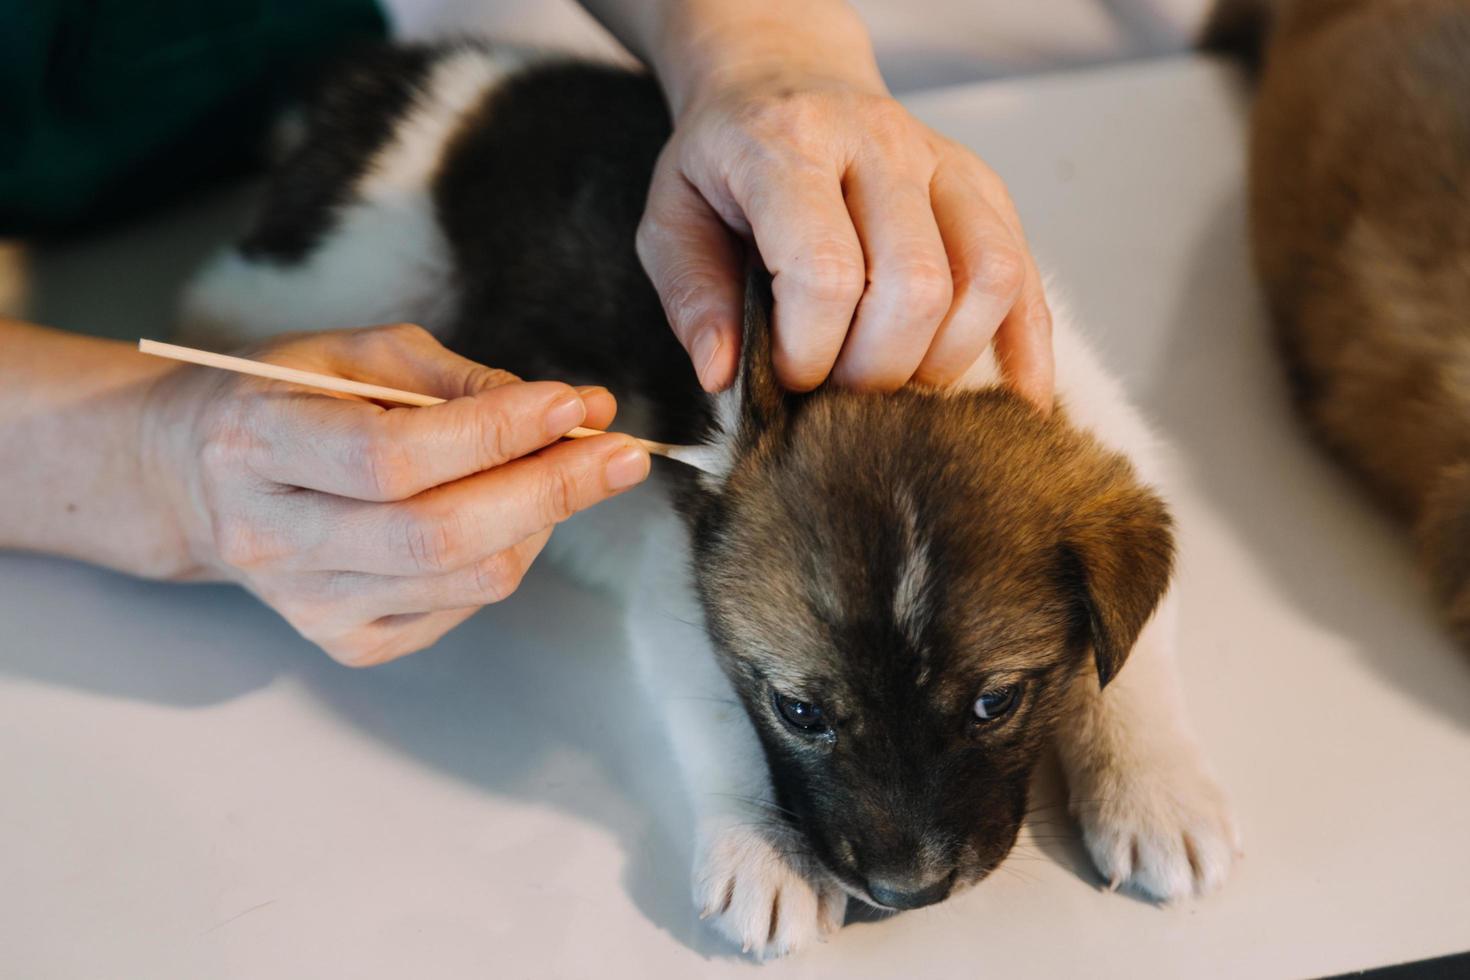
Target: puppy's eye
{"x": 991, "y": 705}
{"x": 804, "y": 716}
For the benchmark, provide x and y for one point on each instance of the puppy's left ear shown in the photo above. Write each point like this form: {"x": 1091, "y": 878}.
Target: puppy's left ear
{"x": 763, "y": 403}
{"x": 1121, "y": 550}
{"x": 755, "y": 404}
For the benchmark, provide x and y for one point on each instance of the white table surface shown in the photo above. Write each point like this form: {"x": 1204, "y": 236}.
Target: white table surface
{"x": 188, "y": 790}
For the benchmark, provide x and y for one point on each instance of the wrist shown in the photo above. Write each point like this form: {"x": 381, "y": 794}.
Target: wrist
{"x": 77, "y": 479}
{"x": 162, "y": 431}
{"x": 705, "y": 51}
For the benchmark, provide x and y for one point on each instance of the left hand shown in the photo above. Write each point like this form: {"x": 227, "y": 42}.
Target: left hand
{"x": 896, "y": 254}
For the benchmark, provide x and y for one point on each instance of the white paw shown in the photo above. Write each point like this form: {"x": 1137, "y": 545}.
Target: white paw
{"x": 754, "y": 886}
{"x": 1163, "y": 829}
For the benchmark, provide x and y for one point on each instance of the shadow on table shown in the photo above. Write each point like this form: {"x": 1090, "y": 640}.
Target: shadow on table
{"x": 1314, "y": 535}
{"x": 536, "y": 699}
{"x": 533, "y": 700}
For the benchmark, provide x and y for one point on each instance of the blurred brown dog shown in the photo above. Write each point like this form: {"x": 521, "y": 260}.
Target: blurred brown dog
{"x": 1360, "y": 221}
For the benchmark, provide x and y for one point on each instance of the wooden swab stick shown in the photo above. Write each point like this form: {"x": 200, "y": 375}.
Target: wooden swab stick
{"x": 700, "y": 457}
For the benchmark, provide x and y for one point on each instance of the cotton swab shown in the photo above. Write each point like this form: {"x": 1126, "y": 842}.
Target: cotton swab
{"x": 699, "y": 457}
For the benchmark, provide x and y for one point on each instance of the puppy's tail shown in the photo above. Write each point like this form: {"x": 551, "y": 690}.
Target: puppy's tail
{"x": 1444, "y": 544}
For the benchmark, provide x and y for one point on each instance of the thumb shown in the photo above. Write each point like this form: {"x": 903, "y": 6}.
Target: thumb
{"x": 695, "y": 265}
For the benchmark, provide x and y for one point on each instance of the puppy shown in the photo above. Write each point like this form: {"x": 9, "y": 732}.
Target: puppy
{"x": 1360, "y": 221}
{"x": 866, "y": 625}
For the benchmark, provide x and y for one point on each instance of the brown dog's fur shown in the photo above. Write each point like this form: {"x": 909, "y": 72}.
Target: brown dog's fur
{"x": 1360, "y": 220}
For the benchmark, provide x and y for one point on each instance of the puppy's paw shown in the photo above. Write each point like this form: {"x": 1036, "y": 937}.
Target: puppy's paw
{"x": 1161, "y": 829}
{"x": 755, "y": 886}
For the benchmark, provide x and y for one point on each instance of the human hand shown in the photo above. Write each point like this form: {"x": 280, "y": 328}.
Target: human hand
{"x": 896, "y": 253}
{"x": 375, "y": 530}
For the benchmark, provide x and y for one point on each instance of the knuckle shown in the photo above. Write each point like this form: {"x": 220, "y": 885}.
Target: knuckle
{"x": 560, "y": 494}
{"x": 887, "y": 121}
{"x": 479, "y": 378}
{"x": 389, "y": 338}
{"x": 384, "y": 466}
{"x": 778, "y": 115}
{"x": 407, "y": 334}
{"x": 224, "y": 447}
{"x": 353, "y": 649}
{"x": 432, "y": 543}
{"x": 239, "y": 543}
{"x": 1001, "y": 272}
{"x": 926, "y": 289}
{"x": 496, "y": 578}
{"x": 496, "y": 435}
{"x": 218, "y": 455}
{"x": 830, "y": 274}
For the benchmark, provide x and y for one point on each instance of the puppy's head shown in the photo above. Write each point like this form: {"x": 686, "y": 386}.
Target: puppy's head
{"x": 902, "y": 588}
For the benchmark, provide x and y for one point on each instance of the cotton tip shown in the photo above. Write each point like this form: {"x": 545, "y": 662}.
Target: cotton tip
{"x": 705, "y": 458}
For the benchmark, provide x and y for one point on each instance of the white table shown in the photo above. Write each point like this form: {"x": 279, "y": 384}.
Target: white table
{"x": 190, "y": 791}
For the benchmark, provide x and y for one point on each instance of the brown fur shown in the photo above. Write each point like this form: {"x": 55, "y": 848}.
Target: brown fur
{"x": 1042, "y": 557}
{"x": 1360, "y": 215}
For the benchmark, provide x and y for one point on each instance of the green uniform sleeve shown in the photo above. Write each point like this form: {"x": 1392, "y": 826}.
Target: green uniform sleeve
{"x": 109, "y": 106}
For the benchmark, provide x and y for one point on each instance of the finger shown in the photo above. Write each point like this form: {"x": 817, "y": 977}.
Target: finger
{"x": 988, "y": 268}
{"x": 909, "y": 288}
{"x": 355, "y": 598}
{"x": 1023, "y": 345}
{"x": 402, "y": 355}
{"x": 454, "y": 525}
{"x": 601, "y": 406}
{"x": 694, "y": 264}
{"x": 807, "y": 241}
{"x": 392, "y": 637}
{"x": 353, "y": 449}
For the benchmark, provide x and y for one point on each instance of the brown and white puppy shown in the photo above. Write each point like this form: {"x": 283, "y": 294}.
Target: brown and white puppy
{"x": 866, "y": 624}
{"x": 1360, "y": 220}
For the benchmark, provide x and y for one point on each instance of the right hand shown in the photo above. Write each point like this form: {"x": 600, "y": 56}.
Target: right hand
{"x": 376, "y": 530}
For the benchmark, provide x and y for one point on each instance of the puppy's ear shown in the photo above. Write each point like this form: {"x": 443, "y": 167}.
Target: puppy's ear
{"x": 1120, "y": 549}
{"x": 764, "y": 404}
{"x": 756, "y": 403}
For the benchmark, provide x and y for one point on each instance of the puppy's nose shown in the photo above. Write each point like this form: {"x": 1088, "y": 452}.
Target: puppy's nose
{"x": 904, "y": 896}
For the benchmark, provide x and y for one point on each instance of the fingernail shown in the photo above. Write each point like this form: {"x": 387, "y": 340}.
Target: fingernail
{"x": 706, "y": 346}
{"x": 566, "y": 414}
{"x": 626, "y": 467}
{"x": 596, "y": 398}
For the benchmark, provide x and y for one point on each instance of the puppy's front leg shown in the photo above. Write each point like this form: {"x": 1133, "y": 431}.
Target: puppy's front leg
{"x": 753, "y": 878}
{"x": 1152, "y": 816}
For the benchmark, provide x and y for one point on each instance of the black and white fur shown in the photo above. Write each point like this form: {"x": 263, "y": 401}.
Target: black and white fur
{"x": 492, "y": 196}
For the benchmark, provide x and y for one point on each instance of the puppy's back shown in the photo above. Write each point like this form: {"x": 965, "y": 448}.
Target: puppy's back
{"x": 1360, "y": 213}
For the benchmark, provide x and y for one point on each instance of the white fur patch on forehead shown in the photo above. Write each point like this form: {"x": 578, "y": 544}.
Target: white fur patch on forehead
{"x": 910, "y": 608}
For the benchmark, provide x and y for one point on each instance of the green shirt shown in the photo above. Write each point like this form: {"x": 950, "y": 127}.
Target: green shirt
{"x": 108, "y": 106}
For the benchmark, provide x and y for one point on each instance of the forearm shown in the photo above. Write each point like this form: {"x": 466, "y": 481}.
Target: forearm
{"x": 698, "y": 46}
{"x": 75, "y": 481}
